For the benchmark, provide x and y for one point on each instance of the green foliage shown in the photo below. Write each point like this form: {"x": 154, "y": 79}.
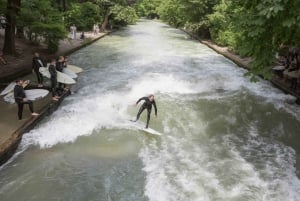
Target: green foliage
{"x": 123, "y": 15}
{"x": 42, "y": 22}
{"x": 145, "y": 8}
{"x": 189, "y": 13}
{"x": 3, "y": 6}
{"x": 52, "y": 33}
{"x": 83, "y": 15}
{"x": 249, "y": 27}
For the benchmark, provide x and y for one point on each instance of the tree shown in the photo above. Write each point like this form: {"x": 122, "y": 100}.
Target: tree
{"x": 146, "y": 8}
{"x": 257, "y": 29}
{"x": 84, "y": 15}
{"x": 13, "y": 9}
{"x": 124, "y": 15}
{"x": 42, "y": 23}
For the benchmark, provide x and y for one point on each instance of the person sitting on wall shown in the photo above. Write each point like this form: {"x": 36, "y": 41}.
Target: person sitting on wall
{"x": 82, "y": 36}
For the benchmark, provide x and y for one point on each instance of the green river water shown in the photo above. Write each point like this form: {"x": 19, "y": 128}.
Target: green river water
{"x": 224, "y": 138}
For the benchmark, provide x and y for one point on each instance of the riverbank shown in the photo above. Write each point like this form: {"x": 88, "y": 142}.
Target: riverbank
{"x": 244, "y": 62}
{"x": 11, "y": 129}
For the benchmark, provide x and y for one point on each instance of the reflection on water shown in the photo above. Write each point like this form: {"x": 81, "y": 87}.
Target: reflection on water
{"x": 224, "y": 138}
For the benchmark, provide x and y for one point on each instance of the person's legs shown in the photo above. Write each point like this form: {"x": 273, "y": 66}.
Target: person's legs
{"x": 53, "y": 89}
{"x": 142, "y": 108}
{"x": 148, "y": 116}
{"x": 20, "y": 110}
{"x": 39, "y": 76}
{"x": 30, "y": 104}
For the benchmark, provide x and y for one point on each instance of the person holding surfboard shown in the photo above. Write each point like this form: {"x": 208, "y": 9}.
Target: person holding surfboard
{"x": 38, "y": 62}
{"x": 20, "y": 98}
{"x": 149, "y": 101}
{"x": 53, "y": 79}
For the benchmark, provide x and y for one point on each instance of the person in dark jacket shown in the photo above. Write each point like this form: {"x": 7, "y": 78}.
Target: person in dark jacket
{"x": 53, "y": 79}
{"x": 149, "y": 101}
{"x": 60, "y": 65}
{"x": 20, "y": 98}
{"x": 38, "y": 62}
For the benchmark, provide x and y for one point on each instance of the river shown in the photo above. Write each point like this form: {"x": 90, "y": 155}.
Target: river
{"x": 224, "y": 138}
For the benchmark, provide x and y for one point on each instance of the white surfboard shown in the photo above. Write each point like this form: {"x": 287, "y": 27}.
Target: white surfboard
{"x": 278, "y": 68}
{"x": 147, "y": 130}
{"x": 11, "y": 87}
{"x": 151, "y": 131}
{"x": 75, "y": 69}
{"x": 8, "y": 89}
{"x": 294, "y": 74}
{"x": 61, "y": 77}
{"x": 31, "y": 94}
{"x": 70, "y": 73}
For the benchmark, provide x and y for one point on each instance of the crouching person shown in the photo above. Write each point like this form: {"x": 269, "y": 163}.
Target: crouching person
{"x": 20, "y": 98}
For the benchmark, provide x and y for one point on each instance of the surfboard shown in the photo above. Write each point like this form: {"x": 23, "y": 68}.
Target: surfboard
{"x": 293, "y": 74}
{"x": 31, "y": 94}
{"x": 61, "y": 77}
{"x": 147, "y": 130}
{"x": 278, "y": 68}
{"x": 70, "y": 73}
{"x": 151, "y": 131}
{"x": 8, "y": 89}
{"x": 11, "y": 87}
{"x": 75, "y": 69}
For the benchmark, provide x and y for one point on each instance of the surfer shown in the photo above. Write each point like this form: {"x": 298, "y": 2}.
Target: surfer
{"x": 20, "y": 98}
{"x": 149, "y": 101}
{"x": 53, "y": 79}
{"x": 60, "y": 65}
{"x": 37, "y": 62}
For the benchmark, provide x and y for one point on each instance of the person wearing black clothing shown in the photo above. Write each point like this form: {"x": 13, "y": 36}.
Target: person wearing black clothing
{"x": 60, "y": 65}
{"x": 37, "y": 62}
{"x": 149, "y": 101}
{"x": 20, "y": 98}
{"x": 53, "y": 79}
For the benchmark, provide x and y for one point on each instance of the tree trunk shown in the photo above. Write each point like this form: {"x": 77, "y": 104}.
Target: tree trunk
{"x": 13, "y": 8}
{"x": 20, "y": 32}
{"x": 105, "y": 21}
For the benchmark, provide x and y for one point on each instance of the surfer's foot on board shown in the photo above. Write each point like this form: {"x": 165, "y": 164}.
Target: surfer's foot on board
{"x": 55, "y": 99}
{"x": 34, "y": 114}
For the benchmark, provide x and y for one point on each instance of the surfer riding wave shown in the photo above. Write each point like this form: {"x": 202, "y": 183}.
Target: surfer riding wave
{"x": 149, "y": 101}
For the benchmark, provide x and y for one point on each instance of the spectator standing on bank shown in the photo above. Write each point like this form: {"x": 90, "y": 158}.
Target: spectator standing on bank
{"x": 73, "y": 31}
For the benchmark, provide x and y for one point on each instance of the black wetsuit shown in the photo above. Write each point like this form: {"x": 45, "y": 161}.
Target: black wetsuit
{"x": 146, "y": 105}
{"x": 53, "y": 78}
{"x": 37, "y": 62}
{"x": 59, "y": 67}
{"x": 19, "y": 95}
